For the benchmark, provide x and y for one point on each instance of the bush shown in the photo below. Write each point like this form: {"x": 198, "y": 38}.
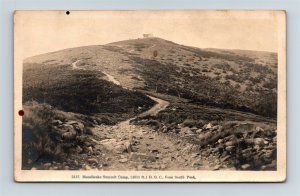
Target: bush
{"x": 218, "y": 77}
{"x": 207, "y": 90}
{"x": 153, "y": 123}
{"x": 38, "y": 139}
{"x": 44, "y": 133}
{"x": 194, "y": 123}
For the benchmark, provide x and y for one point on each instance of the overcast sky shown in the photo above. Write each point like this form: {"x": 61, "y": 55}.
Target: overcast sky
{"x": 51, "y": 31}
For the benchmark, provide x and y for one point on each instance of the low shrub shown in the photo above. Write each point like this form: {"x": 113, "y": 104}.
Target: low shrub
{"x": 38, "y": 139}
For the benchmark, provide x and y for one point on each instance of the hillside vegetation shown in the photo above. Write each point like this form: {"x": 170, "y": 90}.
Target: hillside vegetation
{"x": 80, "y": 91}
{"x": 78, "y": 101}
{"x": 227, "y": 80}
{"x": 240, "y": 80}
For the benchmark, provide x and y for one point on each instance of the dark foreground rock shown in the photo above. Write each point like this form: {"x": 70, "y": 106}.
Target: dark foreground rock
{"x": 244, "y": 146}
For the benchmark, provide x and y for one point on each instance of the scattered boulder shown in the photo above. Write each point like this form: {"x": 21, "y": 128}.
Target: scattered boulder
{"x": 90, "y": 149}
{"x": 259, "y": 129}
{"x": 128, "y": 147}
{"x": 216, "y": 127}
{"x": 69, "y": 135}
{"x": 65, "y": 128}
{"x": 225, "y": 158}
{"x": 217, "y": 167}
{"x": 78, "y": 126}
{"x": 230, "y": 143}
{"x": 199, "y": 131}
{"x": 79, "y": 149}
{"x": 207, "y": 126}
{"x": 138, "y": 156}
{"x": 95, "y": 122}
{"x": 87, "y": 167}
{"x": 124, "y": 160}
{"x": 117, "y": 146}
{"x": 259, "y": 141}
{"x": 92, "y": 161}
{"x": 230, "y": 148}
{"x": 220, "y": 141}
{"x": 90, "y": 131}
{"x": 154, "y": 151}
{"x": 194, "y": 129}
{"x": 47, "y": 165}
{"x": 186, "y": 131}
{"x": 246, "y": 167}
{"x": 56, "y": 122}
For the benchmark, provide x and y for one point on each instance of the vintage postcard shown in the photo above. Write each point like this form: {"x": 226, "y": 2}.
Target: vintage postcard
{"x": 150, "y": 96}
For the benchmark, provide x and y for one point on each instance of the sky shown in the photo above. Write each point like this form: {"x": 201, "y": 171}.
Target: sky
{"x": 48, "y": 31}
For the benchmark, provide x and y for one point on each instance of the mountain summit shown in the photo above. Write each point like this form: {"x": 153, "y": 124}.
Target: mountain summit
{"x": 222, "y": 78}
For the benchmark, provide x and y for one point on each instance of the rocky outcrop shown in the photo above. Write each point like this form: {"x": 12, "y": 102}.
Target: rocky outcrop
{"x": 242, "y": 146}
{"x": 68, "y": 130}
{"x": 117, "y": 145}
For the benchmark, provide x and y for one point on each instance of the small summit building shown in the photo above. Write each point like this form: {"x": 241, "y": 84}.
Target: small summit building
{"x": 147, "y": 35}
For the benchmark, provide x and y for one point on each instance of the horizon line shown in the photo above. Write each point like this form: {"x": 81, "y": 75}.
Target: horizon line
{"x": 154, "y": 37}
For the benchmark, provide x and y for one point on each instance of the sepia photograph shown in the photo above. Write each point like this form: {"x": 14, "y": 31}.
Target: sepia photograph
{"x": 150, "y": 96}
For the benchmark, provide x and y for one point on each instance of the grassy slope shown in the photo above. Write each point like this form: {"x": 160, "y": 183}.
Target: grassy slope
{"x": 234, "y": 79}
{"x": 80, "y": 91}
{"x": 228, "y": 79}
{"x": 52, "y": 90}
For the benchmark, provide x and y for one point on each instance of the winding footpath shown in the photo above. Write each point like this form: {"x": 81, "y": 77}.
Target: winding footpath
{"x": 137, "y": 147}
{"x": 74, "y": 65}
{"x": 112, "y": 79}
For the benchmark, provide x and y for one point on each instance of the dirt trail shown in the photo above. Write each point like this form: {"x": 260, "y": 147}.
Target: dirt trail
{"x": 135, "y": 147}
{"x": 74, "y": 65}
{"x": 112, "y": 79}
{"x": 160, "y": 106}
{"x": 109, "y": 77}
